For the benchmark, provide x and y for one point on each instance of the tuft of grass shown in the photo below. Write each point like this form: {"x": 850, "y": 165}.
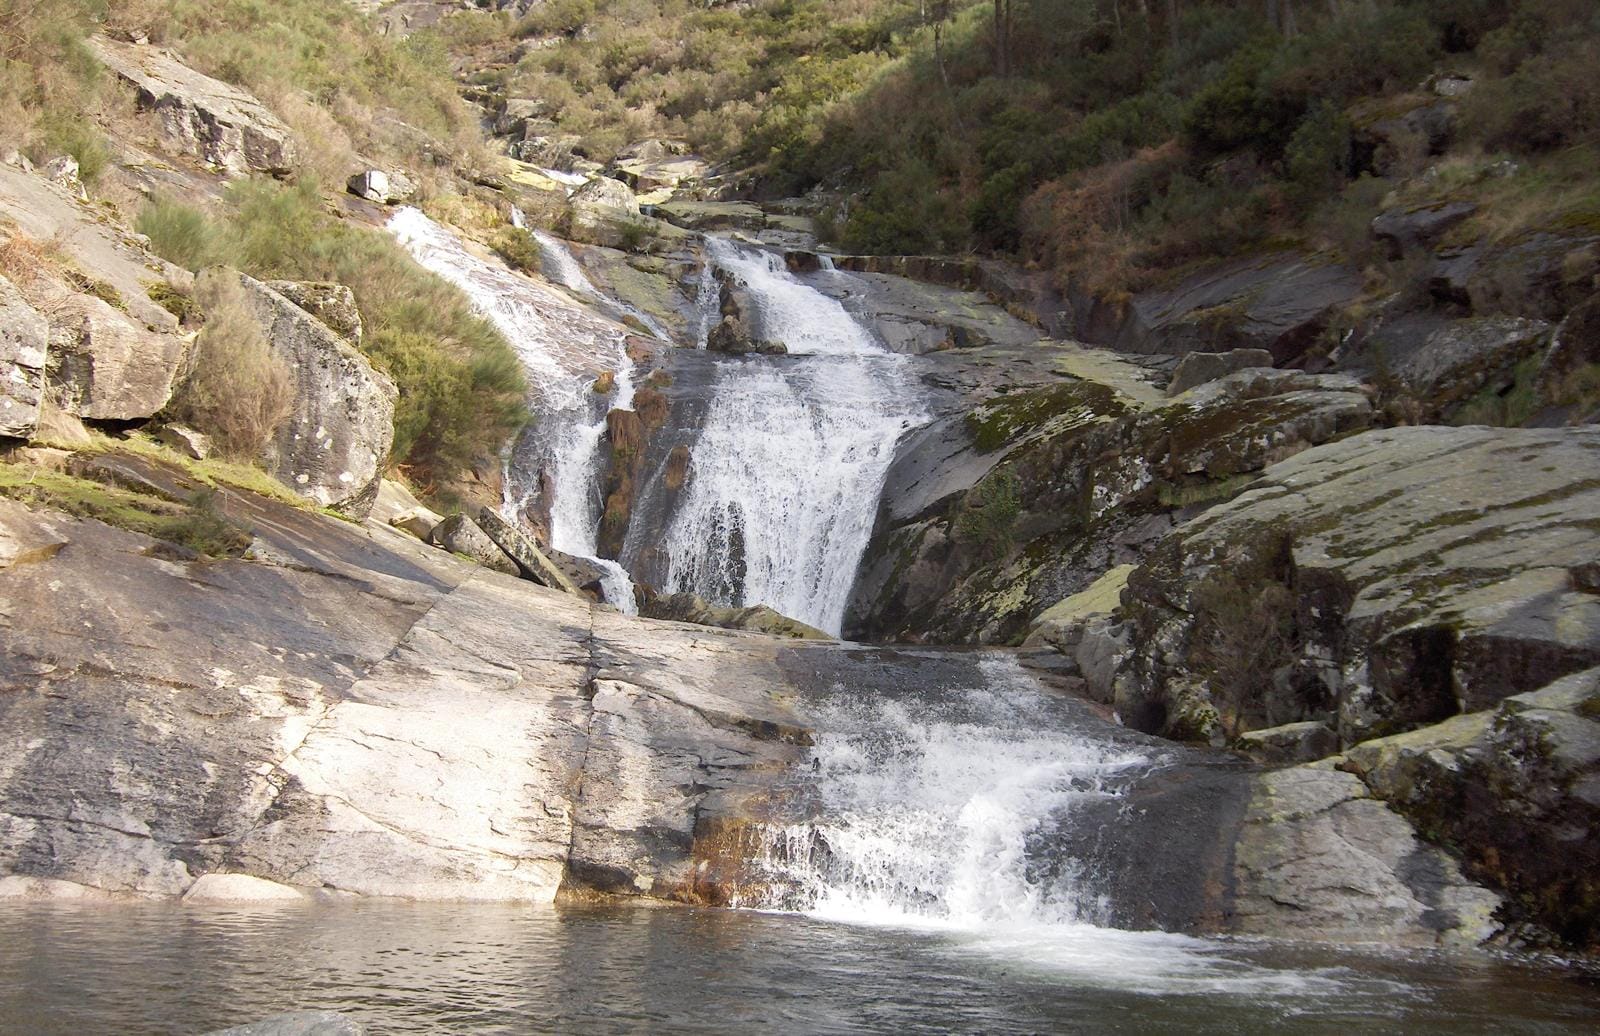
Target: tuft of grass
{"x": 239, "y": 392}
{"x": 180, "y": 304}
{"x": 180, "y": 233}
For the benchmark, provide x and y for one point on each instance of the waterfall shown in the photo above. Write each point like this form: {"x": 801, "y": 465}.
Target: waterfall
{"x": 564, "y": 350}
{"x": 786, "y": 474}
{"x": 937, "y": 809}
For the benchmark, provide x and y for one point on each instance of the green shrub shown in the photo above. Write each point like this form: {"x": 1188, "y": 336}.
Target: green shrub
{"x": 1552, "y": 100}
{"x": 462, "y": 388}
{"x": 519, "y": 248}
{"x": 1318, "y": 155}
{"x": 179, "y": 233}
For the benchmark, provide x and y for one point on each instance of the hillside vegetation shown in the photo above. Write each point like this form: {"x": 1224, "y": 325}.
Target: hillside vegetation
{"x": 352, "y": 97}
{"x": 1111, "y": 139}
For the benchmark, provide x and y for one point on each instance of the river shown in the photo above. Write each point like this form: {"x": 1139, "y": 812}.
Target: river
{"x": 434, "y": 968}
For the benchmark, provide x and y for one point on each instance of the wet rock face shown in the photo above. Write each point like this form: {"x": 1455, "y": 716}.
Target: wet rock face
{"x": 1279, "y": 303}
{"x": 1515, "y": 793}
{"x": 357, "y": 712}
{"x": 201, "y": 116}
{"x": 354, "y": 713}
{"x": 335, "y": 443}
{"x": 1378, "y": 584}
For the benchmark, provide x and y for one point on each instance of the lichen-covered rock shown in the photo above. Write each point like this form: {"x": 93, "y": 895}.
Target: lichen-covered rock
{"x": 1199, "y": 368}
{"x": 1378, "y": 584}
{"x": 1464, "y": 357}
{"x": 329, "y": 301}
{"x": 104, "y": 367}
{"x": 24, "y": 337}
{"x": 654, "y": 165}
{"x": 1410, "y": 230}
{"x": 1082, "y": 485}
{"x": 335, "y": 443}
{"x": 1515, "y": 793}
{"x": 605, "y": 197}
{"x": 1319, "y": 856}
{"x": 520, "y": 548}
{"x": 201, "y": 116}
{"x": 1291, "y": 743}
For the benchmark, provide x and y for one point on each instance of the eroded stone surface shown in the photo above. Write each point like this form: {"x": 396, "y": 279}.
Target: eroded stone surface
{"x": 201, "y": 116}
{"x": 24, "y": 336}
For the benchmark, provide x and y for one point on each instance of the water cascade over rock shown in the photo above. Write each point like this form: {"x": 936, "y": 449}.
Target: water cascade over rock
{"x": 939, "y": 807}
{"x": 787, "y": 471}
{"x": 565, "y": 350}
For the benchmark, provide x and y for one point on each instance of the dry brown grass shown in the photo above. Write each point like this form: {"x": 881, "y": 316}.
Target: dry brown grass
{"x": 239, "y": 392}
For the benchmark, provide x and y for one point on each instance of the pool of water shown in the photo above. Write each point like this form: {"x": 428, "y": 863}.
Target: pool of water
{"x": 437, "y": 968}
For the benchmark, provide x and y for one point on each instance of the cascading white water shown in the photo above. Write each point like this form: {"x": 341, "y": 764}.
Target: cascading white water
{"x": 928, "y": 809}
{"x": 786, "y": 474}
{"x": 564, "y": 349}
{"x": 943, "y": 807}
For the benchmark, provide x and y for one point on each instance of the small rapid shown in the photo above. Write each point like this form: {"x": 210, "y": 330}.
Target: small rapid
{"x": 956, "y": 809}
{"x": 564, "y": 350}
{"x": 787, "y": 471}
{"x": 938, "y": 807}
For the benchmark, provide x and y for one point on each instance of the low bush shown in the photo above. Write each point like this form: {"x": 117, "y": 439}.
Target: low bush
{"x": 179, "y": 233}
{"x": 239, "y": 392}
{"x": 462, "y": 387}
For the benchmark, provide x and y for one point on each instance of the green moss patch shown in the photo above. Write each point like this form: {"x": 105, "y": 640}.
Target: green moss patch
{"x": 197, "y": 525}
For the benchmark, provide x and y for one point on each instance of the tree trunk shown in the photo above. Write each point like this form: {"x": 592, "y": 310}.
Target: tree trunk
{"x": 1172, "y": 23}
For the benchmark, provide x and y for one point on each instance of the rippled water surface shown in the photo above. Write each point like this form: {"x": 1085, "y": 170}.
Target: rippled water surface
{"x": 410, "y": 968}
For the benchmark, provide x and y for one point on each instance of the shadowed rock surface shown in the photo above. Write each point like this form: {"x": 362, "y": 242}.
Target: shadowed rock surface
{"x": 1429, "y": 571}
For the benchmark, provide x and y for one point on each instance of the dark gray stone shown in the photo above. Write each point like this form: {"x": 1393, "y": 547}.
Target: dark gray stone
{"x": 1199, "y": 368}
